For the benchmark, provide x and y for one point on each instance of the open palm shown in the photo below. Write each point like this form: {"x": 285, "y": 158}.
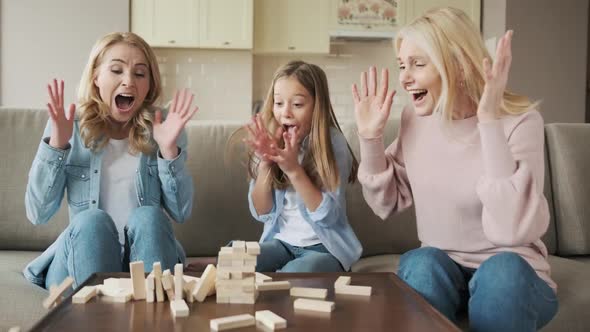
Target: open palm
{"x": 166, "y": 132}
{"x": 261, "y": 141}
{"x": 62, "y": 123}
{"x": 372, "y": 105}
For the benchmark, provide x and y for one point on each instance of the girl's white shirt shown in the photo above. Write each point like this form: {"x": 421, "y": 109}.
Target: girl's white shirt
{"x": 293, "y": 228}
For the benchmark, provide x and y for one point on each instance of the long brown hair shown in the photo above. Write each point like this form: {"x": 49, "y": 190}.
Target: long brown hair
{"x": 95, "y": 113}
{"x": 318, "y": 162}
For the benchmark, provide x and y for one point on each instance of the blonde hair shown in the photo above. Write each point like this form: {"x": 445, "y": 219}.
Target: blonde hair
{"x": 95, "y": 120}
{"x": 318, "y": 162}
{"x": 456, "y": 48}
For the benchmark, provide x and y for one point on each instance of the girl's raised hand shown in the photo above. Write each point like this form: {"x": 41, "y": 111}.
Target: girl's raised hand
{"x": 373, "y": 104}
{"x": 287, "y": 158}
{"x": 62, "y": 123}
{"x": 260, "y": 141}
{"x": 166, "y": 132}
{"x": 496, "y": 78}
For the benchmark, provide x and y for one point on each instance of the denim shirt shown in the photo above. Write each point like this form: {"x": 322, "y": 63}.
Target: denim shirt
{"x": 77, "y": 170}
{"x": 329, "y": 220}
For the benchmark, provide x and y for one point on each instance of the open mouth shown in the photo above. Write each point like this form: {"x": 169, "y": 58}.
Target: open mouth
{"x": 418, "y": 94}
{"x": 289, "y": 128}
{"x": 124, "y": 101}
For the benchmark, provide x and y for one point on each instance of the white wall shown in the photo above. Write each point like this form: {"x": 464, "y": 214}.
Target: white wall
{"x": 549, "y": 52}
{"x": 40, "y": 40}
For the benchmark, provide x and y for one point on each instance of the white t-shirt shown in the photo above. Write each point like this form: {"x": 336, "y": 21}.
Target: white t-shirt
{"x": 118, "y": 195}
{"x": 293, "y": 229}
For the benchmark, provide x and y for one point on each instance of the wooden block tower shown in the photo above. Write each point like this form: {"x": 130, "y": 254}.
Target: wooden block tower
{"x": 235, "y": 281}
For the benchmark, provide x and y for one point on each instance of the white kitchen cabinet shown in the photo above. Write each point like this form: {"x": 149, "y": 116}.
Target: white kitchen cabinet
{"x": 194, "y": 23}
{"x": 226, "y": 23}
{"x": 364, "y": 16}
{"x": 291, "y": 26}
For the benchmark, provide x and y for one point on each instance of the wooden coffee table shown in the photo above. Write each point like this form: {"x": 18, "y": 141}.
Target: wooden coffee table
{"x": 392, "y": 306}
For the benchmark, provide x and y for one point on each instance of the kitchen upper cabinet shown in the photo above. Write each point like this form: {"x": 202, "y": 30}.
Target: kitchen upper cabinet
{"x": 415, "y": 8}
{"x": 291, "y": 26}
{"x": 364, "y": 15}
{"x": 171, "y": 23}
{"x": 194, "y": 23}
{"x": 226, "y": 23}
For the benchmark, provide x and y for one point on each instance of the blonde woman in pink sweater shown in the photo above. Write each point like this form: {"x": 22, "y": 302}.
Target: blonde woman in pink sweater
{"x": 469, "y": 156}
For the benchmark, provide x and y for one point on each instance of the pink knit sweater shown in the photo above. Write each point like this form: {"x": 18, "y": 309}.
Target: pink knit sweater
{"x": 477, "y": 187}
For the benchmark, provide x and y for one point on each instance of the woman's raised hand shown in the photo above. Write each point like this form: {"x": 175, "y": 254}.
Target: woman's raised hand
{"x": 261, "y": 141}
{"x": 166, "y": 132}
{"x": 372, "y": 104}
{"x": 496, "y": 78}
{"x": 62, "y": 123}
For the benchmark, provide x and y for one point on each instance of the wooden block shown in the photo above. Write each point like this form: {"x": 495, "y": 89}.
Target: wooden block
{"x": 239, "y": 247}
{"x": 84, "y": 294}
{"x": 157, "y": 270}
{"x": 316, "y": 293}
{"x": 207, "y": 282}
{"x": 253, "y": 248}
{"x": 179, "y": 308}
{"x": 262, "y": 277}
{"x": 232, "y": 322}
{"x": 226, "y": 250}
{"x": 188, "y": 278}
{"x": 314, "y": 305}
{"x": 124, "y": 296}
{"x": 53, "y": 296}
{"x": 166, "y": 280}
{"x": 342, "y": 281}
{"x": 149, "y": 289}
{"x": 138, "y": 279}
{"x": 273, "y": 285}
{"x": 178, "y": 281}
{"x": 189, "y": 287}
{"x": 14, "y": 329}
{"x": 353, "y": 290}
{"x": 270, "y": 320}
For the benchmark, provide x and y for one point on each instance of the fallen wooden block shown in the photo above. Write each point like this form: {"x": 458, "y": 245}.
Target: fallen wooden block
{"x": 314, "y": 305}
{"x": 179, "y": 308}
{"x": 137, "y": 279}
{"x": 59, "y": 290}
{"x": 232, "y": 322}
{"x": 273, "y": 285}
{"x": 149, "y": 288}
{"x": 353, "y": 290}
{"x": 270, "y": 320}
{"x": 84, "y": 294}
{"x": 207, "y": 282}
{"x": 316, "y": 293}
{"x": 260, "y": 278}
{"x": 189, "y": 287}
{"x": 342, "y": 281}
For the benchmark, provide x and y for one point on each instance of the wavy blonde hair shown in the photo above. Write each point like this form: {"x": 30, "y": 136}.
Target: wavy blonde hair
{"x": 456, "y": 48}
{"x": 318, "y": 162}
{"x": 95, "y": 114}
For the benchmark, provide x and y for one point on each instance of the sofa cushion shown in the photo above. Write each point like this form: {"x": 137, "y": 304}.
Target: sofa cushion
{"x": 569, "y": 160}
{"x": 20, "y": 134}
{"x": 21, "y": 301}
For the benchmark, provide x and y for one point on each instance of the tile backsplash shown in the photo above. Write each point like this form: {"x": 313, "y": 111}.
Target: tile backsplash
{"x": 221, "y": 80}
{"x": 226, "y": 83}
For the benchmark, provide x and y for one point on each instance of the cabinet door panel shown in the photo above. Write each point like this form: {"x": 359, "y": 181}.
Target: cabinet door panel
{"x": 308, "y": 26}
{"x": 270, "y": 26}
{"x": 415, "y": 8}
{"x": 226, "y": 23}
{"x": 174, "y": 23}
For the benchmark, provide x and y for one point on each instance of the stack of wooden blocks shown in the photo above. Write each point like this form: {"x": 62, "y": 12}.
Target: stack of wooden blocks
{"x": 236, "y": 279}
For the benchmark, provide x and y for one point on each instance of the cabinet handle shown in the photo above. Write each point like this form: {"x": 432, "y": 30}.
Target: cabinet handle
{"x": 172, "y": 41}
{"x": 226, "y": 43}
{"x": 291, "y": 48}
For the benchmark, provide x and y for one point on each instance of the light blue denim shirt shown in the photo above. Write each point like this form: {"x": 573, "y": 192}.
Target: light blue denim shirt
{"x": 77, "y": 170}
{"x": 329, "y": 220}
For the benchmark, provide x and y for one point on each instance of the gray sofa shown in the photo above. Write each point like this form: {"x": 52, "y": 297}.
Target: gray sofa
{"x": 221, "y": 214}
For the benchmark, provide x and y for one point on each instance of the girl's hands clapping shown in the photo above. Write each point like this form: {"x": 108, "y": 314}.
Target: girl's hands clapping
{"x": 287, "y": 158}
{"x": 261, "y": 141}
{"x": 62, "y": 123}
{"x": 166, "y": 132}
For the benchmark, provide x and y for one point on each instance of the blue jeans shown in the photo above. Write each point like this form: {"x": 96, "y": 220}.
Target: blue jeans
{"x": 503, "y": 294}
{"x": 279, "y": 256}
{"x": 92, "y": 245}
